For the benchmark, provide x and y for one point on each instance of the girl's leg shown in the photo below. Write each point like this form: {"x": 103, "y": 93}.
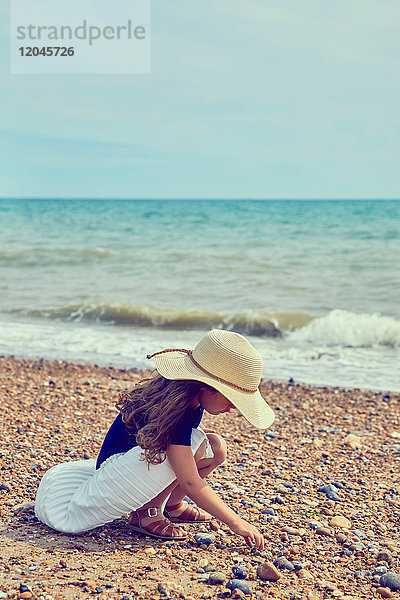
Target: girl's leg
{"x": 205, "y": 466}
{"x": 158, "y": 501}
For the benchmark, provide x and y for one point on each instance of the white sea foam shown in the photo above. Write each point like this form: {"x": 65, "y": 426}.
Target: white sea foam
{"x": 349, "y": 329}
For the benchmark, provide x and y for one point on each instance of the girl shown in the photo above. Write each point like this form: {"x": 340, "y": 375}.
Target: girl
{"x": 155, "y": 453}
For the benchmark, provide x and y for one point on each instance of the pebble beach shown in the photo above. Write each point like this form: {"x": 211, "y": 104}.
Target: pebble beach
{"x": 322, "y": 484}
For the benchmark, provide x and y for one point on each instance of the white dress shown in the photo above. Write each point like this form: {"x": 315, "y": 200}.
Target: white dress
{"x": 74, "y": 496}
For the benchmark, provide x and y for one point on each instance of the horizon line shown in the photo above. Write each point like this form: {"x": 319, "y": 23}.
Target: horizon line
{"x": 169, "y": 198}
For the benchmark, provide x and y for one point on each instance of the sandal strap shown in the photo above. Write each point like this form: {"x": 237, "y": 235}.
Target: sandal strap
{"x": 190, "y": 513}
{"x": 152, "y": 511}
{"x": 174, "y": 506}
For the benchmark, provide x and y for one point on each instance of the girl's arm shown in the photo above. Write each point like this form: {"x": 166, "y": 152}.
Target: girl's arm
{"x": 185, "y": 469}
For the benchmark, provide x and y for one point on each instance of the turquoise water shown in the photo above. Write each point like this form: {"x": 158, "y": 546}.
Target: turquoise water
{"x": 315, "y": 284}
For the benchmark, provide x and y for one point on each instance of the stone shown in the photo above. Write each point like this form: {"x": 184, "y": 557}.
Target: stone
{"x": 216, "y": 578}
{"x": 340, "y": 522}
{"x": 384, "y": 556}
{"x": 283, "y": 563}
{"x": 390, "y": 580}
{"x": 268, "y": 572}
{"x": 384, "y": 592}
{"x": 23, "y": 508}
{"x": 239, "y": 571}
{"x": 238, "y": 584}
{"x": 204, "y": 538}
{"x": 237, "y": 594}
{"x": 323, "y": 531}
{"x": 5, "y": 487}
{"x": 304, "y": 574}
{"x": 26, "y": 595}
{"x": 354, "y": 441}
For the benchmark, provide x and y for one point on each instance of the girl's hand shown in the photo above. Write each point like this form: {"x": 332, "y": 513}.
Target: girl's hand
{"x": 249, "y": 532}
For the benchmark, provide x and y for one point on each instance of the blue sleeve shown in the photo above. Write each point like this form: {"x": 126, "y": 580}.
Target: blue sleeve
{"x": 118, "y": 439}
{"x": 183, "y": 431}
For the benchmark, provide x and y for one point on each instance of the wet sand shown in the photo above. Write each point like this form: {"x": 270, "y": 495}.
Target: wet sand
{"x": 53, "y": 411}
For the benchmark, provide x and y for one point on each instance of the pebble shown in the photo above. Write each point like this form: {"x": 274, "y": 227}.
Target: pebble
{"x": 391, "y": 580}
{"x": 23, "y": 508}
{"x": 283, "y": 563}
{"x": 5, "y": 487}
{"x": 238, "y": 584}
{"x": 384, "y": 556}
{"x": 341, "y": 522}
{"x": 384, "y": 592}
{"x": 323, "y": 531}
{"x": 216, "y": 578}
{"x": 354, "y": 441}
{"x": 268, "y": 572}
{"x": 204, "y": 538}
{"x": 239, "y": 571}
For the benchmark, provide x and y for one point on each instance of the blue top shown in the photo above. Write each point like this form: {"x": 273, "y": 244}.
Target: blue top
{"x": 120, "y": 438}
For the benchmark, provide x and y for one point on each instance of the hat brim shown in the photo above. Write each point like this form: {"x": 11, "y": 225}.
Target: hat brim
{"x": 179, "y": 366}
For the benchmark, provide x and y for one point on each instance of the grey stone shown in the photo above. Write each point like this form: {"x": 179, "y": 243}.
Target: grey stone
{"x": 391, "y": 580}
{"x": 204, "y": 538}
{"x": 239, "y": 571}
{"x": 238, "y": 584}
{"x": 283, "y": 563}
{"x": 216, "y": 578}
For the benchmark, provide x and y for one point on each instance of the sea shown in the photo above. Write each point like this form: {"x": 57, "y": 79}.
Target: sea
{"x": 314, "y": 285}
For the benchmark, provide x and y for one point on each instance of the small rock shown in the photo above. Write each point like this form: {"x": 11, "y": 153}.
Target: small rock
{"x": 204, "y": 538}
{"x": 354, "y": 441}
{"x": 341, "y": 537}
{"x": 5, "y": 487}
{"x": 216, "y": 578}
{"x": 278, "y": 500}
{"x": 384, "y": 592}
{"x": 237, "y": 594}
{"x": 384, "y": 556}
{"x": 26, "y": 595}
{"x": 239, "y": 571}
{"x": 268, "y": 572}
{"x": 127, "y": 597}
{"x": 283, "y": 563}
{"x": 390, "y": 580}
{"x": 238, "y": 584}
{"x": 323, "y": 531}
{"x": 341, "y": 522}
{"x": 24, "y": 588}
{"x": 25, "y": 507}
{"x": 304, "y": 574}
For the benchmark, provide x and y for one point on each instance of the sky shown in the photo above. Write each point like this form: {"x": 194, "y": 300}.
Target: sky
{"x": 254, "y": 99}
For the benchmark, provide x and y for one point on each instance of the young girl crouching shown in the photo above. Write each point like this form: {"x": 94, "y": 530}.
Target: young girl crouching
{"x": 155, "y": 452}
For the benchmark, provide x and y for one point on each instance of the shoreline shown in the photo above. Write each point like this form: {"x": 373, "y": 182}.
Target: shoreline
{"x": 53, "y": 411}
{"x": 97, "y": 362}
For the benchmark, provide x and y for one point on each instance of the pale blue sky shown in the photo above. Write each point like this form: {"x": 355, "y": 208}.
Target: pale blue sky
{"x": 260, "y": 99}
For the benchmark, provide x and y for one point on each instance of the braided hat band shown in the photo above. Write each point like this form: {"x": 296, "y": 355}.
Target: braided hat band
{"x": 198, "y": 365}
{"x": 226, "y": 361}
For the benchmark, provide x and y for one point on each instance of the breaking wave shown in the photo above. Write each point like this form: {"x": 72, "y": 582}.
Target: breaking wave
{"x": 246, "y": 322}
{"x": 339, "y": 327}
{"x": 342, "y": 327}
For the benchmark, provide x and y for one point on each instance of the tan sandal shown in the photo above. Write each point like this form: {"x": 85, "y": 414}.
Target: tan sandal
{"x": 162, "y": 529}
{"x": 191, "y": 514}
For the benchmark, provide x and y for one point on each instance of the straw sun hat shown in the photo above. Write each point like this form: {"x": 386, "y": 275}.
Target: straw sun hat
{"x": 226, "y": 361}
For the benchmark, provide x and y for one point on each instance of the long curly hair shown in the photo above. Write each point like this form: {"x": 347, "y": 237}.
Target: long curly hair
{"x": 152, "y": 410}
